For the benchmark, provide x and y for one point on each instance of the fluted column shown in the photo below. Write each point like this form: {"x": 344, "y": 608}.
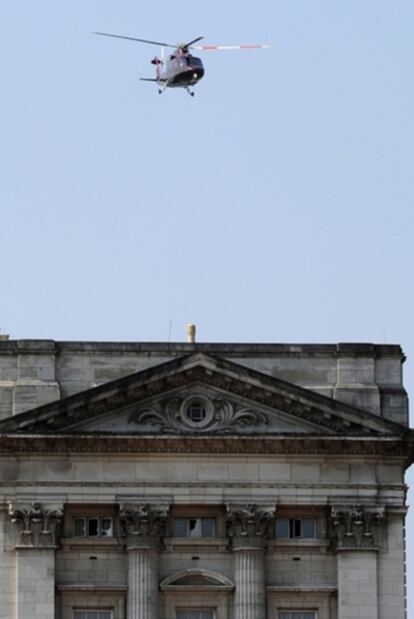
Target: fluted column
{"x": 143, "y": 525}
{"x": 37, "y": 529}
{"x": 355, "y": 533}
{"x": 248, "y": 527}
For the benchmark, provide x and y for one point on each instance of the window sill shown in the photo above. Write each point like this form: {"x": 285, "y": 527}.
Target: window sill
{"x": 91, "y": 588}
{"x": 301, "y": 589}
{"x": 97, "y": 543}
{"x": 196, "y": 544}
{"x": 311, "y": 545}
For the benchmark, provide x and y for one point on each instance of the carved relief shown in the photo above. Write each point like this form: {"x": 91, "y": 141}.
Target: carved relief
{"x": 249, "y": 526}
{"x": 143, "y": 524}
{"x": 37, "y": 526}
{"x": 198, "y": 413}
{"x": 356, "y": 526}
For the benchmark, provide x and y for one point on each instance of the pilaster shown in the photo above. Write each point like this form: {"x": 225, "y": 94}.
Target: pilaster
{"x": 7, "y": 568}
{"x": 36, "y": 528}
{"x": 391, "y": 568}
{"x": 143, "y": 526}
{"x": 248, "y": 527}
{"x": 355, "y": 531}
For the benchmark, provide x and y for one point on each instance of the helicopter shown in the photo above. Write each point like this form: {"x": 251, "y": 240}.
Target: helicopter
{"x": 180, "y": 69}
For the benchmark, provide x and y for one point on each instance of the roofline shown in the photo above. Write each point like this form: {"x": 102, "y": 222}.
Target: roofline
{"x": 48, "y": 346}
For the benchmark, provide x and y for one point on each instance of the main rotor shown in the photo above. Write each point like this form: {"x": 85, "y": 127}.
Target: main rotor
{"x": 182, "y": 46}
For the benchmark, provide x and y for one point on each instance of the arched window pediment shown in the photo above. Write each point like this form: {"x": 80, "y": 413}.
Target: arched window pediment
{"x": 196, "y": 579}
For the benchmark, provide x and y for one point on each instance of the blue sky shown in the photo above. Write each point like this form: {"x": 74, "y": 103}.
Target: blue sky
{"x": 276, "y": 205}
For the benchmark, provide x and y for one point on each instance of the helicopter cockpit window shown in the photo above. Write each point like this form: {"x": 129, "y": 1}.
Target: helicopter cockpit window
{"x": 195, "y": 62}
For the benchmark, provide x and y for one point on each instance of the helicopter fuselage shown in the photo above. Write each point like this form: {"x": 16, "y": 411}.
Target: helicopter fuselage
{"x": 181, "y": 70}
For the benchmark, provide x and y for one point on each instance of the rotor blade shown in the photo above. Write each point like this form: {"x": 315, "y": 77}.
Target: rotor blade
{"x": 191, "y": 42}
{"x": 214, "y": 48}
{"x": 121, "y": 36}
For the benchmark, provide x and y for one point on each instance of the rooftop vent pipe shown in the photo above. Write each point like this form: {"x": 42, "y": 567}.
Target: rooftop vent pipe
{"x": 191, "y": 334}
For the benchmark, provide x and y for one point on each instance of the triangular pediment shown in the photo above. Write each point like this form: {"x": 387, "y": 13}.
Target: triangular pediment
{"x": 199, "y": 395}
{"x": 198, "y": 408}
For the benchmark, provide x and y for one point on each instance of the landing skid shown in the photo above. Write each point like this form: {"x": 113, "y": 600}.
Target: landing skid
{"x": 162, "y": 88}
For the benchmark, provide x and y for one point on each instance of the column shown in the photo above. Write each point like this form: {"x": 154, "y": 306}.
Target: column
{"x": 36, "y": 529}
{"x": 248, "y": 527}
{"x": 144, "y": 526}
{"x": 355, "y": 533}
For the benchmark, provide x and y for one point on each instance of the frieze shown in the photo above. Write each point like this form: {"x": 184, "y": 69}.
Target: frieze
{"x": 249, "y": 526}
{"x": 37, "y": 526}
{"x": 143, "y": 525}
{"x": 356, "y": 527}
{"x": 116, "y": 443}
{"x": 198, "y": 413}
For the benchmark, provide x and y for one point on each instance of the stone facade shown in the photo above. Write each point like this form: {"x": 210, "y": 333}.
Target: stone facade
{"x": 231, "y": 481}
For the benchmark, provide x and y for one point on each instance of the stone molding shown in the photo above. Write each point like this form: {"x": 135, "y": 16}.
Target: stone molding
{"x": 159, "y": 443}
{"x": 101, "y": 589}
{"x": 143, "y": 525}
{"x": 248, "y": 526}
{"x": 213, "y": 581}
{"x": 356, "y": 527}
{"x": 37, "y": 526}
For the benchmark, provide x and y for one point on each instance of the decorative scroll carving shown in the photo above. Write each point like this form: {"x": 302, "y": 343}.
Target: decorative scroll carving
{"x": 171, "y": 416}
{"x": 37, "y": 526}
{"x": 249, "y": 525}
{"x": 143, "y": 524}
{"x": 356, "y": 527}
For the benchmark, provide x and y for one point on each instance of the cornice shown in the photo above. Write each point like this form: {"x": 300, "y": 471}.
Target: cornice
{"x": 228, "y": 349}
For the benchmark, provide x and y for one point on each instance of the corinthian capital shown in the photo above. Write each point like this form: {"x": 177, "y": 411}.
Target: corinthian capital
{"x": 144, "y": 524}
{"x": 37, "y": 526}
{"x": 249, "y": 525}
{"x": 356, "y": 526}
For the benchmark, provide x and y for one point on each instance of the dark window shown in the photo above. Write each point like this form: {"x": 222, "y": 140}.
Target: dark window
{"x": 196, "y": 412}
{"x": 296, "y": 528}
{"x": 195, "y": 527}
{"x": 195, "y": 614}
{"x": 297, "y": 614}
{"x": 92, "y": 614}
{"x": 92, "y": 527}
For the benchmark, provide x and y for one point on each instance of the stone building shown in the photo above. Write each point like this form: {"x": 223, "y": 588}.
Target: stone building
{"x": 202, "y": 481}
